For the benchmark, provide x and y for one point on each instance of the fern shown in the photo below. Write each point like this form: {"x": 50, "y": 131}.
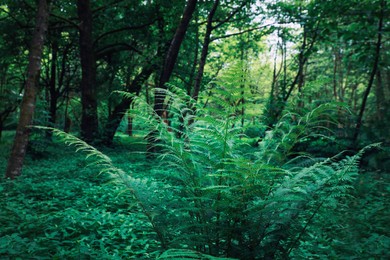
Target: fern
{"x": 278, "y": 144}
{"x": 232, "y": 202}
{"x": 216, "y": 200}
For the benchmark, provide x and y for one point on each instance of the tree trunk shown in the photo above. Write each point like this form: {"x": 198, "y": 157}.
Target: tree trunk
{"x": 205, "y": 50}
{"x": 173, "y": 52}
{"x": 335, "y": 70}
{"x": 89, "y": 118}
{"x": 52, "y": 84}
{"x": 274, "y": 98}
{"x": 195, "y": 61}
{"x": 18, "y": 152}
{"x": 67, "y": 120}
{"x": 298, "y": 82}
{"x": 359, "y": 120}
{"x": 380, "y": 98}
{"x": 243, "y": 57}
{"x": 119, "y": 111}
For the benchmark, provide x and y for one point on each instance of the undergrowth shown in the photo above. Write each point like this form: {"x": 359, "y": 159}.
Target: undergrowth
{"x": 204, "y": 197}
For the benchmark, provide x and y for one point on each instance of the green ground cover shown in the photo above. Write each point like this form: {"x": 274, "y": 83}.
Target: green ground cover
{"x": 61, "y": 208}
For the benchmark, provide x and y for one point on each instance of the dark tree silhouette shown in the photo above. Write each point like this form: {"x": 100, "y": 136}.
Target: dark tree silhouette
{"x": 89, "y": 118}
{"x": 173, "y": 52}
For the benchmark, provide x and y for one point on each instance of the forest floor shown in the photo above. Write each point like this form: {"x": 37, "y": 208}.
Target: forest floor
{"x": 61, "y": 208}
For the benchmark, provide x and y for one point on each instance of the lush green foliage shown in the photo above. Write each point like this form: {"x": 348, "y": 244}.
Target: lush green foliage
{"x": 212, "y": 194}
{"x": 254, "y": 169}
{"x": 62, "y": 209}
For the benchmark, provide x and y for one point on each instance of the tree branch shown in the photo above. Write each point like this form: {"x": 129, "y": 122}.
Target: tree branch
{"x": 239, "y": 33}
{"x": 136, "y": 27}
{"x": 73, "y": 24}
{"x": 235, "y": 11}
{"x": 20, "y": 24}
{"x": 117, "y": 47}
{"x": 106, "y": 6}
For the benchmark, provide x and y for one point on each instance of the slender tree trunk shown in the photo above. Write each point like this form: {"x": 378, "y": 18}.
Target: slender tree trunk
{"x": 301, "y": 83}
{"x": 359, "y": 120}
{"x": 52, "y": 84}
{"x": 119, "y": 111}
{"x": 274, "y": 98}
{"x": 298, "y": 81}
{"x": 341, "y": 77}
{"x": 204, "y": 53}
{"x": 89, "y": 118}
{"x": 284, "y": 64}
{"x": 244, "y": 69}
{"x": 166, "y": 72}
{"x": 195, "y": 61}
{"x": 67, "y": 120}
{"x": 380, "y": 97}
{"x": 335, "y": 69}
{"x": 345, "y": 82}
{"x": 172, "y": 54}
{"x": 18, "y": 152}
{"x": 205, "y": 50}
{"x": 302, "y": 59}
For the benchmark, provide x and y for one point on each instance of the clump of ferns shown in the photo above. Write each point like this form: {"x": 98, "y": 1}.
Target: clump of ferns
{"x": 278, "y": 144}
{"x": 231, "y": 202}
{"x": 218, "y": 201}
{"x": 199, "y": 145}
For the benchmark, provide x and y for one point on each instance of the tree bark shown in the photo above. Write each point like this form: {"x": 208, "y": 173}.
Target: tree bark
{"x": 359, "y": 120}
{"x": 205, "y": 50}
{"x": 173, "y": 52}
{"x": 89, "y": 118}
{"x": 18, "y": 152}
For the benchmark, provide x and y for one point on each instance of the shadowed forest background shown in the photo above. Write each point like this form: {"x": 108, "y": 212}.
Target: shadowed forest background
{"x": 221, "y": 129}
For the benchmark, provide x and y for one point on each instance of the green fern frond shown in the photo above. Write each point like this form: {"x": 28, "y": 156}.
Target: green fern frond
{"x": 124, "y": 94}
